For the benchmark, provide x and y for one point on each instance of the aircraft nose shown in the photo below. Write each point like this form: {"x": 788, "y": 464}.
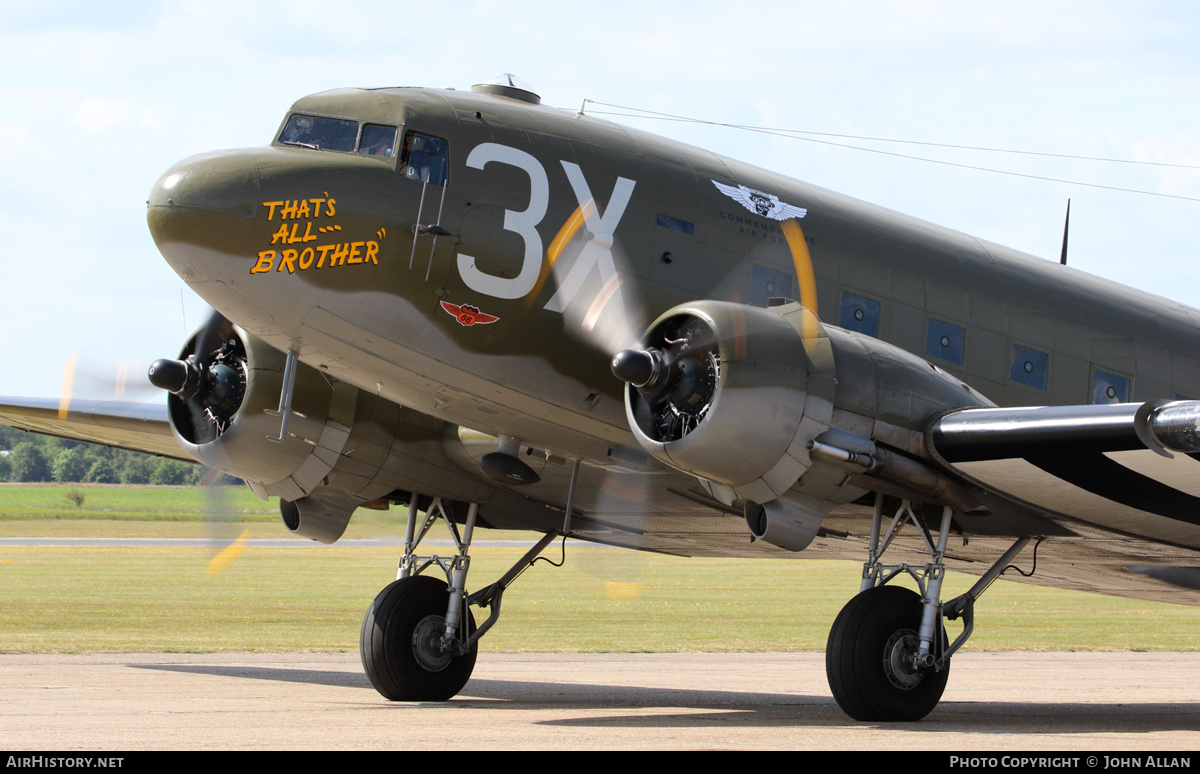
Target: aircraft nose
{"x": 201, "y": 211}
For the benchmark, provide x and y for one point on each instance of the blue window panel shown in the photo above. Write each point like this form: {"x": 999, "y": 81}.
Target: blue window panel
{"x": 860, "y": 314}
{"x": 945, "y": 341}
{"x": 676, "y": 224}
{"x": 766, "y": 283}
{"x": 1029, "y": 367}
{"x": 1109, "y": 388}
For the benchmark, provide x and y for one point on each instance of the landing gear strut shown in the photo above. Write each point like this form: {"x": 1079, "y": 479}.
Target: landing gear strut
{"x": 419, "y": 639}
{"x": 888, "y": 657}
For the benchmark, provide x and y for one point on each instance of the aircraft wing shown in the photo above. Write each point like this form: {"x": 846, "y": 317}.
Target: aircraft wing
{"x": 142, "y": 427}
{"x": 1126, "y": 469}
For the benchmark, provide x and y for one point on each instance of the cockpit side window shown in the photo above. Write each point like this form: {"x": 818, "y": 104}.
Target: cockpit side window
{"x": 320, "y": 133}
{"x": 377, "y": 140}
{"x": 424, "y": 158}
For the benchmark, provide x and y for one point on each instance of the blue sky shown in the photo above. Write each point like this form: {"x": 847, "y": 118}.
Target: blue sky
{"x": 97, "y": 101}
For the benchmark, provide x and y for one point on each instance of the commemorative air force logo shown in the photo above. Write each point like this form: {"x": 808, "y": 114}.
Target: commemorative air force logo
{"x": 765, "y": 204}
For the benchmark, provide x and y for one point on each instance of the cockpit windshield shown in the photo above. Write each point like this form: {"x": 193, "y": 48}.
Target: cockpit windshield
{"x": 320, "y": 133}
{"x": 339, "y": 134}
{"x": 377, "y": 140}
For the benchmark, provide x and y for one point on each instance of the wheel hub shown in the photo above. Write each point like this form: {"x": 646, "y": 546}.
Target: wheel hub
{"x": 428, "y": 649}
{"x": 899, "y": 660}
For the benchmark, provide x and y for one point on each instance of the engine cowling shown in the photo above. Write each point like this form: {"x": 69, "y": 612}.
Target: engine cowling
{"x": 720, "y": 391}
{"x": 738, "y": 396}
{"x": 223, "y": 414}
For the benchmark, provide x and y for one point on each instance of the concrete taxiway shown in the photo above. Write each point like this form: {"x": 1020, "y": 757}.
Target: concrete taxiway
{"x": 995, "y": 701}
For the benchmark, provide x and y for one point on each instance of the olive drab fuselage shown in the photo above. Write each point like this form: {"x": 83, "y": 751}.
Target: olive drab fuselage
{"x": 462, "y": 294}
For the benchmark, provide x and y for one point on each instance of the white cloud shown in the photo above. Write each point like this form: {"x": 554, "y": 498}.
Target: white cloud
{"x": 96, "y": 115}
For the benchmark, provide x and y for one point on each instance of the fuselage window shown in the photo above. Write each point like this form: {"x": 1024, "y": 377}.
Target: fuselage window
{"x": 1109, "y": 388}
{"x": 860, "y": 314}
{"x": 320, "y": 133}
{"x": 945, "y": 341}
{"x": 1029, "y": 367}
{"x": 768, "y": 283}
{"x": 377, "y": 140}
{"x": 424, "y": 158}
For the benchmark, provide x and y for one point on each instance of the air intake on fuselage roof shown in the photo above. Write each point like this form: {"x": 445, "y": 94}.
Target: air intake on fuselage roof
{"x": 507, "y": 85}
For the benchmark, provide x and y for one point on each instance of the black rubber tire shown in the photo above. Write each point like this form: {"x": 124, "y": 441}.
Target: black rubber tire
{"x": 387, "y": 647}
{"x": 855, "y": 658}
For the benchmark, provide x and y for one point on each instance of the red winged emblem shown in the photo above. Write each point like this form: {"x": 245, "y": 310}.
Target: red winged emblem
{"x": 468, "y": 315}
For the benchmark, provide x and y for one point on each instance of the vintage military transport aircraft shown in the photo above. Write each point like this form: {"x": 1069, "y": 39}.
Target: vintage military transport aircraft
{"x": 506, "y": 315}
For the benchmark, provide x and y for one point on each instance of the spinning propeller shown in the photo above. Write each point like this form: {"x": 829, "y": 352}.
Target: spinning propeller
{"x": 677, "y": 376}
{"x": 206, "y": 388}
{"x": 675, "y": 367}
{"x": 99, "y": 380}
{"x": 207, "y": 385}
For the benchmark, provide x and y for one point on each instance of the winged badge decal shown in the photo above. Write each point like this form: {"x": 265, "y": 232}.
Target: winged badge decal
{"x": 765, "y": 204}
{"x": 468, "y": 315}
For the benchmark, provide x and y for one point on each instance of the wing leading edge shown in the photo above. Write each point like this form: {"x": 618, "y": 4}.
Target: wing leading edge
{"x": 142, "y": 427}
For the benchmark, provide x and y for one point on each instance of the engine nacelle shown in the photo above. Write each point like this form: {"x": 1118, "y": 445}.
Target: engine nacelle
{"x": 737, "y": 395}
{"x": 723, "y": 396}
{"x": 225, "y": 416}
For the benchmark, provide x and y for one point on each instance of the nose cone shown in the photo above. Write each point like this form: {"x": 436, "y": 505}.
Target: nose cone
{"x": 633, "y": 366}
{"x": 201, "y": 211}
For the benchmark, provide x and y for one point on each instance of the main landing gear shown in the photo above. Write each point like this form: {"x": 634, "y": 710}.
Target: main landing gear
{"x": 888, "y": 657}
{"x": 419, "y": 638}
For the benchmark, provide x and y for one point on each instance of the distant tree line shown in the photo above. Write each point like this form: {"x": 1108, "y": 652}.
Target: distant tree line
{"x": 41, "y": 458}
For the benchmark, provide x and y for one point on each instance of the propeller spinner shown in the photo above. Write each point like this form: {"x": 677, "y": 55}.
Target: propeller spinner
{"x": 207, "y": 385}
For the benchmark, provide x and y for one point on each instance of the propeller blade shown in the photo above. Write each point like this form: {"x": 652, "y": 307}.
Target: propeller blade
{"x": 227, "y": 555}
{"x": 594, "y": 288}
{"x": 215, "y": 333}
{"x": 620, "y": 502}
{"x": 64, "y": 398}
{"x": 227, "y": 536}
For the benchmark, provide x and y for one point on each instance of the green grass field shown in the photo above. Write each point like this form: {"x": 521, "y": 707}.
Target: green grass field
{"x": 295, "y": 599}
{"x": 20, "y": 502}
